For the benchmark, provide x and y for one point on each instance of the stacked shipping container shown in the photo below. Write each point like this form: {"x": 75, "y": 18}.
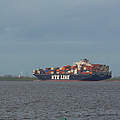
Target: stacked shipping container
{"x": 81, "y": 67}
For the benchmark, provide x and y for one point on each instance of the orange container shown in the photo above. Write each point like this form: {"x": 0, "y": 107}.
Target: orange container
{"x": 72, "y": 67}
{"x": 63, "y": 68}
{"x": 67, "y": 69}
{"x": 68, "y": 66}
{"x": 90, "y": 73}
{"x": 57, "y": 70}
{"x": 84, "y": 72}
{"x": 63, "y": 72}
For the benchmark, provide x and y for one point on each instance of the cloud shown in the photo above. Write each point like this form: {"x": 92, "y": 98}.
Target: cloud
{"x": 47, "y": 20}
{"x": 66, "y": 28}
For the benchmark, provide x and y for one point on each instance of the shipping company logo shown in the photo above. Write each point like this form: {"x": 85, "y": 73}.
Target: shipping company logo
{"x": 60, "y": 77}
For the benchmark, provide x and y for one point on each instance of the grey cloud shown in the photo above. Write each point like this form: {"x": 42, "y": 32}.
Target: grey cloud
{"x": 43, "y": 29}
{"x": 62, "y": 18}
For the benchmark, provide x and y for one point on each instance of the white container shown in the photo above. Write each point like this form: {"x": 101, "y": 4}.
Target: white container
{"x": 38, "y": 72}
{"x": 75, "y": 71}
{"x": 51, "y": 72}
{"x": 60, "y": 68}
{"x": 52, "y": 68}
{"x": 79, "y": 68}
{"x": 84, "y": 68}
{"x": 69, "y": 71}
{"x": 33, "y": 71}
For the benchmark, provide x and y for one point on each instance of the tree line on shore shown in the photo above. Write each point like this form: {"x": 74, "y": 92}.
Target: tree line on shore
{"x": 14, "y": 78}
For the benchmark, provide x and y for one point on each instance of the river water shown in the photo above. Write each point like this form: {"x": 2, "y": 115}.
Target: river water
{"x": 33, "y": 100}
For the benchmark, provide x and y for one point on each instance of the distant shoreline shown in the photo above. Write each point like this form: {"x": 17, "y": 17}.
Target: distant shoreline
{"x": 114, "y": 79}
{"x": 4, "y": 78}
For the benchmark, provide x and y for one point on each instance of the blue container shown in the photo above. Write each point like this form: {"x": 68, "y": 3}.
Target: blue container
{"x": 46, "y": 71}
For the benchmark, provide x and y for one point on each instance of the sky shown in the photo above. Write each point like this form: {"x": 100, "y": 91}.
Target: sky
{"x": 45, "y": 33}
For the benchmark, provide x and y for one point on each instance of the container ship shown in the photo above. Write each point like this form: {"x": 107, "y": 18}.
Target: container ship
{"x": 79, "y": 71}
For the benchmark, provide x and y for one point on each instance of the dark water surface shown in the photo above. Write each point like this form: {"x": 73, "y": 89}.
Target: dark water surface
{"x": 55, "y": 100}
